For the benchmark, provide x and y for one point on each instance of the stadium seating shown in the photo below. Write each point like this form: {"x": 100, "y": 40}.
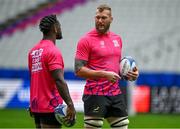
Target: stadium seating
{"x": 10, "y": 8}
{"x": 149, "y": 30}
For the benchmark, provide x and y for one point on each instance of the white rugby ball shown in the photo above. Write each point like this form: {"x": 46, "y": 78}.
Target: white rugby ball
{"x": 126, "y": 64}
{"x": 60, "y": 113}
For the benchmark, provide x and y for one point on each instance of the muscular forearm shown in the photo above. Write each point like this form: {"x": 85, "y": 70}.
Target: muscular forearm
{"x": 91, "y": 74}
{"x": 82, "y": 71}
{"x": 64, "y": 92}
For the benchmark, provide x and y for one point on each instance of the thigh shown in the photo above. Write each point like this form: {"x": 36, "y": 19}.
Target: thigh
{"x": 95, "y": 105}
{"x": 37, "y": 121}
{"x": 118, "y": 107}
{"x": 46, "y": 120}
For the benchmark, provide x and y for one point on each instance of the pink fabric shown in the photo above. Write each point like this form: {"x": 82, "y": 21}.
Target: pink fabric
{"x": 42, "y": 59}
{"x": 102, "y": 53}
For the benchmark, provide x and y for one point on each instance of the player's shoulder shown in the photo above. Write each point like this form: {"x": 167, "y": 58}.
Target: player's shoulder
{"x": 114, "y": 34}
{"x": 54, "y": 50}
{"x": 51, "y": 53}
{"x": 92, "y": 34}
{"x": 51, "y": 49}
{"x": 49, "y": 46}
{"x": 33, "y": 48}
{"x": 87, "y": 37}
{"x": 83, "y": 39}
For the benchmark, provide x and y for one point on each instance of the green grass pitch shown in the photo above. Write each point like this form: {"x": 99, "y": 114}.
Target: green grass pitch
{"x": 19, "y": 118}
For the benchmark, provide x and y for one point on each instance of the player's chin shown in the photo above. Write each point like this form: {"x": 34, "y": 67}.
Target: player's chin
{"x": 101, "y": 30}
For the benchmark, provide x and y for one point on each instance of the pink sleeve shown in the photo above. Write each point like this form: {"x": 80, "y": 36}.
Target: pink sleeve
{"x": 83, "y": 50}
{"x": 120, "y": 42}
{"x": 29, "y": 61}
{"x": 55, "y": 60}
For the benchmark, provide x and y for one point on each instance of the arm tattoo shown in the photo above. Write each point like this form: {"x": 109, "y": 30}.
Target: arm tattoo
{"x": 79, "y": 64}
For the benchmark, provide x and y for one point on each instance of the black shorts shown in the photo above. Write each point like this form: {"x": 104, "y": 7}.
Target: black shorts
{"x": 105, "y": 106}
{"x": 46, "y": 118}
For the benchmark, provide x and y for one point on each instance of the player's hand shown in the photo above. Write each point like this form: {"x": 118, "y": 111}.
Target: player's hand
{"x": 133, "y": 75}
{"x": 112, "y": 76}
{"x": 71, "y": 113}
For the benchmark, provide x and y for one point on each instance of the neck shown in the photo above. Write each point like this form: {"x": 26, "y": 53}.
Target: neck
{"x": 49, "y": 37}
{"x": 103, "y": 33}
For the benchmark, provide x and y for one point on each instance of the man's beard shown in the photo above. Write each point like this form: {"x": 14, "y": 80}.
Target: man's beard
{"x": 104, "y": 30}
{"x": 59, "y": 36}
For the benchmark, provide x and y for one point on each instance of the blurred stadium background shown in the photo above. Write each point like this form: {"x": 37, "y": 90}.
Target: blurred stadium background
{"x": 150, "y": 30}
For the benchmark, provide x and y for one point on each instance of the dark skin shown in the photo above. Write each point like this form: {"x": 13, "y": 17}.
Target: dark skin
{"x": 62, "y": 87}
{"x": 58, "y": 76}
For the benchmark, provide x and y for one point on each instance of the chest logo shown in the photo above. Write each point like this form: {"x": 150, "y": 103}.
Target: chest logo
{"x": 102, "y": 44}
{"x": 116, "y": 44}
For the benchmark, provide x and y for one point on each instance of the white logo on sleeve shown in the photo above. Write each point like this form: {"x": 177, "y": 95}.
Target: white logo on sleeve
{"x": 116, "y": 44}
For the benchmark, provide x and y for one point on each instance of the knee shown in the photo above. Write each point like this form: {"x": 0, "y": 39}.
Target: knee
{"x": 121, "y": 123}
{"x": 93, "y": 122}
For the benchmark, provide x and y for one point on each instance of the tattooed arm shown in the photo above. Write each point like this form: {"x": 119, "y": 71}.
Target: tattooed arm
{"x": 82, "y": 71}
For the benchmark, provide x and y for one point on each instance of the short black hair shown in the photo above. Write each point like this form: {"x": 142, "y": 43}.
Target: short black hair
{"x": 47, "y": 22}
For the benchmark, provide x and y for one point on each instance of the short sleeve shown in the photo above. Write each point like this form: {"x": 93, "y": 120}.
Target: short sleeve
{"x": 83, "y": 49}
{"x": 121, "y": 45}
{"x": 120, "y": 41}
{"x": 55, "y": 60}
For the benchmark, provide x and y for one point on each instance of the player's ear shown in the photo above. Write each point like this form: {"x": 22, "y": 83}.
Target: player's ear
{"x": 111, "y": 19}
{"x": 55, "y": 28}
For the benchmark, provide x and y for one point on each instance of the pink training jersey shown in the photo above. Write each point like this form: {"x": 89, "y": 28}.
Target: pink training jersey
{"x": 42, "y": 59}
{"x": 102, "y": 52}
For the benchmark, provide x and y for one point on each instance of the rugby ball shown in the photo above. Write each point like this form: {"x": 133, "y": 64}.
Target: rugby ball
{"x": 60, "y": 113}
{"x": 126, "y": 64}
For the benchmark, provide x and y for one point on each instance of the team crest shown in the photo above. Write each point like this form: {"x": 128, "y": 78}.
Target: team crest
{"x": 116, "y": 44}
{"x": 102, "y": 44}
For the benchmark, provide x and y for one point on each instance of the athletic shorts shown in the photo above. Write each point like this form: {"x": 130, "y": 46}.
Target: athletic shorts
{"x": 46, "y": 118}
{"x": 105, "y": 106}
